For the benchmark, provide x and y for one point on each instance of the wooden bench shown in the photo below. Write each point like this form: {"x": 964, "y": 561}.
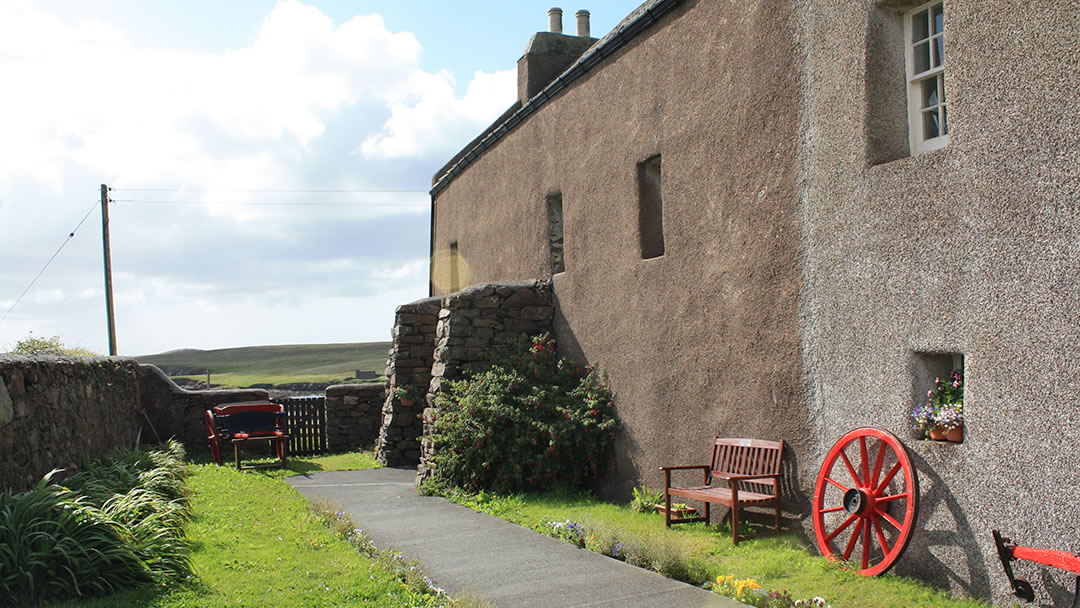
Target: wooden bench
{"x": 750, "y": 471}
{"x": 244, "y": 423}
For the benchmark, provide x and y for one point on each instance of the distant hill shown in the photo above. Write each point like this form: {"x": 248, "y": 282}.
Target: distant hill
{"x": 274, "y": 364}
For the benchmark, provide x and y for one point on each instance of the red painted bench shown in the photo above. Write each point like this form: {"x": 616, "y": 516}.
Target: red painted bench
{"x": 247, "y": 422}
{"x": 743, "y": 472}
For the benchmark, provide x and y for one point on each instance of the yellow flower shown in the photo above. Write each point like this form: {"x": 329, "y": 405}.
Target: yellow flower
{"x": 745, "y": 585}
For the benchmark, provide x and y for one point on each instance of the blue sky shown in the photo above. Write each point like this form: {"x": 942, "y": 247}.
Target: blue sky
{"x": 251, "y": 146}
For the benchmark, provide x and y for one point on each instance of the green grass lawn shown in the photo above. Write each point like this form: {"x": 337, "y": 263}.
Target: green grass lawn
{"x": 257, "y": 542}
{"x": 696, "y": 551}
{"x": 244, "y": 366}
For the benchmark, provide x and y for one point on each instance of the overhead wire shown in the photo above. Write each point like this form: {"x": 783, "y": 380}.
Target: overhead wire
{"x": 284, "y": 190}
{"x": 268, "y": 203}
{"x": 70, "y": 236}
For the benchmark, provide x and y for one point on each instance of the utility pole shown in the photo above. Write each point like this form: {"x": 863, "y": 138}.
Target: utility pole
{"x": 108, "y": 269}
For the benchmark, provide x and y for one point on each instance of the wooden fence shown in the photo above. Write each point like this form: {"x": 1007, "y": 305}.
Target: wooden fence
{"x": 306, "y": 418}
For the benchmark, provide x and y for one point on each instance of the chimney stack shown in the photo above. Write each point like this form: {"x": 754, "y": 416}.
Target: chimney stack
{"x": 555, "y": 20}
{"x": 583, "y": 23}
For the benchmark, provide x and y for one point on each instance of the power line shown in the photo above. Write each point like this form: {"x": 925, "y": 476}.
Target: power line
{"x": 62, "y": 245}
{"x": 267, "y": 203}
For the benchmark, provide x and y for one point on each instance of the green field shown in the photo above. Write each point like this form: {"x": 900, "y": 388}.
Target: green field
{"x": 238, "y": 367}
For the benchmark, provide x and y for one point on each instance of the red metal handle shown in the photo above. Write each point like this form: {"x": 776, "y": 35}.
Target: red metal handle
{"x": 1048, "y": 557}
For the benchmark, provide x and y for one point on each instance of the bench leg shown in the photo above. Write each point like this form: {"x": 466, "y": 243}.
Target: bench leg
{"x": 667, "y": 509}
{"x": 236, "y": 452}
{"x": 778, "y": 517}
{"x": 735, "y": 523}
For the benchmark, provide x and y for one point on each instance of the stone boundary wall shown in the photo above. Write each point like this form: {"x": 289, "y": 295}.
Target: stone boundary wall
{"x": 353, "y": 415}
{"x": 409, "y": 365}
{"x": 56, "y": 412}
{"x": 180, "y": 413}
{"x": 475, "y": 324}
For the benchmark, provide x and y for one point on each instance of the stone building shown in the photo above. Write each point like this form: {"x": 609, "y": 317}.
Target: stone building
{"x": 768, "y": 219}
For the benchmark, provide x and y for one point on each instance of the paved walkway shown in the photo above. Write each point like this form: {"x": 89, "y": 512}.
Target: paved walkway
{"x": 506, "y": 565}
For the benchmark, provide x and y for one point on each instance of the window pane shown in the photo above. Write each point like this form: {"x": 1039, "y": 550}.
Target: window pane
{"x": 939, "y": 19}
{"x": 921, "y": 53}
{"x": 930, "y": 92}
{"x": 941, "y": 87}
{"x": 930, "y": 124}
{"x": 939, "y": 50}
{"x": 944, "y": 120}
{"x": 920, "y": 23}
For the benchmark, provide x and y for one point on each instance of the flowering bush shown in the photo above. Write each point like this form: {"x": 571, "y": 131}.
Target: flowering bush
{"x": 532, "y": 421}
{"x": 406, "y": 393}
{"x": 944, "y": 406}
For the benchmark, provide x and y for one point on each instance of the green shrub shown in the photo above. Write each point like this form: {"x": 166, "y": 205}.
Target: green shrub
{"x": 115, "y": 525}
{"x": 645, "y": 500}
{"x": 32, "y": 345}
{"x": 532, "y": 421}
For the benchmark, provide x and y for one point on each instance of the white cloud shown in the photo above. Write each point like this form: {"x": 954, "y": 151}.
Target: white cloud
{"x": 440, "y": 122}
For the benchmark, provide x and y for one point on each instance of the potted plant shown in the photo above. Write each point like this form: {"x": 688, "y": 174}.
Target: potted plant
{"x": 407, "y": 395}
{"x": 679, "y": 510}
{"x": 941, "y": 416}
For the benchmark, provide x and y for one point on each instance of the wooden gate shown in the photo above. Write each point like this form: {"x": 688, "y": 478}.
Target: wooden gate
{"x": 306, "y": 418}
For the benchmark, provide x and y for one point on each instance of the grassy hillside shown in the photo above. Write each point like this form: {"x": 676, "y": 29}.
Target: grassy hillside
{"x": 274, "y": 364}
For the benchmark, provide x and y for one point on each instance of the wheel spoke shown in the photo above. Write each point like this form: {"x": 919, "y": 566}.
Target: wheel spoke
{"x": 888, "y": 478}
{"x": 851, "y": 541}
{"x": 851, "y": 469}
{"x": 866, "y": 544}
{"x": 878, "y": 462}
{"x": 843, "y": 526}
{"x": 837, "y": 484}
{"x": 892, "y": 521}
{"x": 881, "y": 538}
{"x": 865, "y": 464}
{"x": 833, "y": 510}
{"x": 892, "y": 497}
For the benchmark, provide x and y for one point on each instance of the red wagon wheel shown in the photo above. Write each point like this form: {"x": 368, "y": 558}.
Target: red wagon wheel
{"x": 866, "y": 495}
{"x": 213, "y": 438}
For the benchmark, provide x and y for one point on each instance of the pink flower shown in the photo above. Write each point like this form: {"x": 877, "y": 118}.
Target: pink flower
{"x": 955, "y": 383}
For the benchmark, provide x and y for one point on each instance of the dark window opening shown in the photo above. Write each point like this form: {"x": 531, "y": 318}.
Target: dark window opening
{"x": 650, "y": 208}
{"x": 455, "y": 271}
{"x": 555, "y": 232}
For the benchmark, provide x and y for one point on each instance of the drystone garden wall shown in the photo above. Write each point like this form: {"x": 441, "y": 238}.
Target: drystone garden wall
{"x": 179, "y": 413}
{"x": 353, "y": 415}
{"x": 56, "y": 412}
{"x": 438, "y": 339}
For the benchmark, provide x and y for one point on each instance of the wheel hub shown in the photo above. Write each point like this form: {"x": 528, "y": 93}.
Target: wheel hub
{"x": 854, "y": 501}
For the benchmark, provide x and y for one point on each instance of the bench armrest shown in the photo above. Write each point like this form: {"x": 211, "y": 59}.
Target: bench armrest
{"x": 686, "y": 467}
{"x": 730, "y": 477}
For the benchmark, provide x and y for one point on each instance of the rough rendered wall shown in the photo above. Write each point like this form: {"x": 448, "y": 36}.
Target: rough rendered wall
{"x": 411, "y": 358}
{"x": 969, "y": 249}
{"x": 180, "y": 413}
{"x": 705, "y": 338}
{"x": 56, "y": 412}
{"x": 474, "y": 325}
{"x": 353, "y": 415}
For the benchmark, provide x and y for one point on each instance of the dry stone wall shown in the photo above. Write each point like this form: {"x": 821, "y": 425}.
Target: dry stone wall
{"x": 353, "y": 415}
{"x": 179, "y": 413}
{"x": 437, "y": 340}
{"x": 409, "y": 365}
{"x": 56, "y": 412}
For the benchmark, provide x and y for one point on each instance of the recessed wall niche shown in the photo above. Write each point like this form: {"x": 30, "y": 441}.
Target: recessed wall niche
{"x": 925, "y": 368}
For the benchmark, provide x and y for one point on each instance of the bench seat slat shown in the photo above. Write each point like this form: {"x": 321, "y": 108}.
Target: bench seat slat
{"x": 718, "y": 495}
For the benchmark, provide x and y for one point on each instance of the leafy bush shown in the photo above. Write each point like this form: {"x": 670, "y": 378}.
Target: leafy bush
{"x": 116, "y": 525}
{"x": 32, "y": 345}
{"x": 645, "y": 500}
{"x": 532, "y": 421}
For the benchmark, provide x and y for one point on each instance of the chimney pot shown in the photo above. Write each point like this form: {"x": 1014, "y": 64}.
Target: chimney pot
{"x": 583, "y": 23}
{"x": 555, "y": 20}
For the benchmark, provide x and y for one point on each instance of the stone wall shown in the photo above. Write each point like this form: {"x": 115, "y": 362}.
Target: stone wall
{"x": 180, "y": 413}
{"x": 56, "y": 412}
{"x": 409, "y": 365}
{"x": 353, "y": 415}
{"x": 475, "y": 324}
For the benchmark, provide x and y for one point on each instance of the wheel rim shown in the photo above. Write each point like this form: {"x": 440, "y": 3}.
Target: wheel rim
{"x": 866, "y": 500}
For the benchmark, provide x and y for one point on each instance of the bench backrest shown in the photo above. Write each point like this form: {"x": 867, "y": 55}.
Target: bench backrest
{"x": 256, "y": 418}
{"x": 747, "y": 457}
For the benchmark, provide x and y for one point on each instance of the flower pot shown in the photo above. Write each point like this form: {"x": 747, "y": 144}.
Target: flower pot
{"x": 937, "y": 433}
{"x": 678, "y": 513}
{"x": 407, "y": 402}
{"x": 955, "y": 435}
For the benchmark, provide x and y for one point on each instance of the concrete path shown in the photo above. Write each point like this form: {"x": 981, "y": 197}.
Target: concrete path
{"x": 504, "y": 564}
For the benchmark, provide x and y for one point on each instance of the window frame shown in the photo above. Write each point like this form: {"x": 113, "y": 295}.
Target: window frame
{"x": 915, "y": 81}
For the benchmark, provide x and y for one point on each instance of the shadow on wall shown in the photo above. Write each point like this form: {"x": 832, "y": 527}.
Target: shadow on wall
{"x": 921, "y": 557}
